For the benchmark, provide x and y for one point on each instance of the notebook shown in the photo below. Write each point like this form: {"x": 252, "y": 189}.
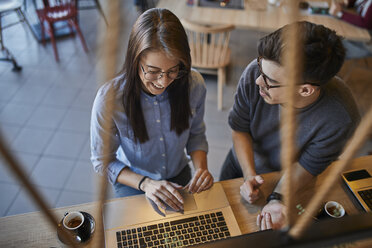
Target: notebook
{"x": 360, "y": 184}
{"x": 132, "y": 221}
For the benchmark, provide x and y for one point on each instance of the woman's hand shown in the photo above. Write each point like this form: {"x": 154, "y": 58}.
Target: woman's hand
{"x": 202, "y": 180}
{"x": 250, "y": 188}
{"x": 272, "y": 216}
{"x": 162, "y": 192}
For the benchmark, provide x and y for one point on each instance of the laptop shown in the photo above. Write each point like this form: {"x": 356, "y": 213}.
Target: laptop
{"x": 133, "y": 222}
{"x": 360, "y": 184}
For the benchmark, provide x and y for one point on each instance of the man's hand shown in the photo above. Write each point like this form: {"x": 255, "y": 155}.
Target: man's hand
{"x": 272, "y": 216}
{"x": 335, "y": 8}
{"x": 163, "y": 192}
{"x": 250, "y": 188}
{"x": 202, "y": 180}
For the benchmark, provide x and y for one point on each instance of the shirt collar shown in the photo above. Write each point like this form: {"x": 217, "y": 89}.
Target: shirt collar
{"x": 161, "y": 97}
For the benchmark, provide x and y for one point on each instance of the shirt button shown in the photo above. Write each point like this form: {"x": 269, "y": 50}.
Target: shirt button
{"x": 161, "y": 139}
{"x": 158, "y": 121}
{"x": 163, "y": 154}
{"x": 164, "y": 167}
{"x": 155, "y": 103}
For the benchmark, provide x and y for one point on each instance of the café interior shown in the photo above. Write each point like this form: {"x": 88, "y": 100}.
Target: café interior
{"x": 46, "y": 99}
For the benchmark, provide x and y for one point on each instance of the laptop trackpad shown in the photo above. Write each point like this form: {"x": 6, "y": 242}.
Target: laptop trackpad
{"x": 188, "y": 203}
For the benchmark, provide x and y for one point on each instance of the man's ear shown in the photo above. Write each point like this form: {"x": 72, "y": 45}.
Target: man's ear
{"x": 307, "y": 90}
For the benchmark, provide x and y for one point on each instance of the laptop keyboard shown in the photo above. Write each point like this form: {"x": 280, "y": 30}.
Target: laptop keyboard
{"x": 177, "y": 233}
{"x": 367, "y": 197}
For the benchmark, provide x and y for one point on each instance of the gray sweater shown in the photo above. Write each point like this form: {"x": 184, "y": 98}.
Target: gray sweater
{"x": 323, "y": 127}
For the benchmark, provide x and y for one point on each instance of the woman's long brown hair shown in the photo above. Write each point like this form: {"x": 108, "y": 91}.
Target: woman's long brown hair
{"x": 157, "y": 30}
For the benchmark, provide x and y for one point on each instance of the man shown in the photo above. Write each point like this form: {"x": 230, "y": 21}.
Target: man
{"x": 326, "y": 114}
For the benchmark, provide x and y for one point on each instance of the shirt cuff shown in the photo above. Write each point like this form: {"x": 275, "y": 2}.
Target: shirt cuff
{"x": 114, "y": 170}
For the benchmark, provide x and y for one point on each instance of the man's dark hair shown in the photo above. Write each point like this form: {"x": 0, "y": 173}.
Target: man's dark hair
{"x": 324, "y": 53}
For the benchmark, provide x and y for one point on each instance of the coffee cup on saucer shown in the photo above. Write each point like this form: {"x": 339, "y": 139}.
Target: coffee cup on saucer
{"x": 332, "y": 209}
{"x": 73, "y": 222}
{"x": 80, "y": 225}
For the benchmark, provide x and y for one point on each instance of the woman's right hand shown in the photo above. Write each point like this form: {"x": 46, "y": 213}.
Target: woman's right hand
{"x": 162, "y": 192}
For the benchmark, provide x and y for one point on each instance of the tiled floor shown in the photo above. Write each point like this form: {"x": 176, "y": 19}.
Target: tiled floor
{"x": 45, "y": 112}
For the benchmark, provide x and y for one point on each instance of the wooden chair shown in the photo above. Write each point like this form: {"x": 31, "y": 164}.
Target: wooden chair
{"x": 210, "y": 51}
{"x": 56, "y": 11}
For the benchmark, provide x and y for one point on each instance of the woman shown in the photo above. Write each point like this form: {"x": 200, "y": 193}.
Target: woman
{"x": 158, "y": 106}
{"x": 362, "y": 18}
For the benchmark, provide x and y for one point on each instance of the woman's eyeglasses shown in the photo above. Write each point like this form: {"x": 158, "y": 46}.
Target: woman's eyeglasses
{"x": 173, "y": 73}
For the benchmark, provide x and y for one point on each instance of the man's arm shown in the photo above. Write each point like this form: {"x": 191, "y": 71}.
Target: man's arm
{"x": 301, "y": 178}
{"x": 244, "y": 151}
{"x": 276, "y": 208}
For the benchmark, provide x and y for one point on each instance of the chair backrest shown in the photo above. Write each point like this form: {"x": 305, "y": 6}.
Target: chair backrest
{"x": 57, "y": 10}
{"x": 209, "y": 45}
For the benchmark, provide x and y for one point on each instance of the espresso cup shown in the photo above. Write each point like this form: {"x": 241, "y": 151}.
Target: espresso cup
{"x": 334, "y": 209}
{"x": 73, "y": 222}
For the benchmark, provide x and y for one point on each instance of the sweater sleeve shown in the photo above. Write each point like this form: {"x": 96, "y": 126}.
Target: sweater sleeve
{"x": 240, "y": 116}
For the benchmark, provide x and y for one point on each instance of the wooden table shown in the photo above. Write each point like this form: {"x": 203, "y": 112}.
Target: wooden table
{"x": 32, "y": 229}
{"x": 258, "y": 15}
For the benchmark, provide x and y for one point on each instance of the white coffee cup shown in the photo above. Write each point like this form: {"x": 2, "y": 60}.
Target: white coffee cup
{"x": 334, "y": 209}
{"x": 73, "y": 220}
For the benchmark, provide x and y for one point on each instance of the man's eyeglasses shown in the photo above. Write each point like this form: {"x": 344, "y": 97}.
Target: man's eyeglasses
{"x": 173, "y": 73}
{"x": 266, "y": 78}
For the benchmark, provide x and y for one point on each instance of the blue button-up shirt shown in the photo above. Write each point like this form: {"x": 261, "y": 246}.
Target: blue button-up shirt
{"x": 163, "y": 155}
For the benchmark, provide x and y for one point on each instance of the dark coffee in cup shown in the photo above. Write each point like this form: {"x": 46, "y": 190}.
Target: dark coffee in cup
{"x": 73, "y": 223}
{"x": 334, "y": 209}
{"x": 73, "y": 220}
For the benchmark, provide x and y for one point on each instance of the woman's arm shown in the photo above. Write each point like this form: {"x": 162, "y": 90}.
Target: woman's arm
{"x": 102, "y": 130}
{"x": 197, "y": 145}
{"x": 161, "y": 192}
{"x": 202, "y": 179}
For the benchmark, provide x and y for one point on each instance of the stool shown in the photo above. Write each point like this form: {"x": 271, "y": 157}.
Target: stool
{"x": 6, "y": 7}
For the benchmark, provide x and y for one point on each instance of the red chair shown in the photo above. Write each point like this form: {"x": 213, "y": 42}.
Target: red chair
{"x": 56, "y": 11}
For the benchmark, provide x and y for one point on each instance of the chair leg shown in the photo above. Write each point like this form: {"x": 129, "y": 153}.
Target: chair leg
{"x": 221, "y": 78}
{"x": 53, "y": 40}
{"x": 42, "y": 28}
{"x": 23, "y": 18}
{"x": 8, "y": 56}
{"x": 76, "y": 26}
{"x": 70, "y": 26}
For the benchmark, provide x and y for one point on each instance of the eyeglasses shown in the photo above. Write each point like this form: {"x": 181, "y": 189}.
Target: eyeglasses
{"x": 265, "y": 78}
{"x": 174, "y": 73}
